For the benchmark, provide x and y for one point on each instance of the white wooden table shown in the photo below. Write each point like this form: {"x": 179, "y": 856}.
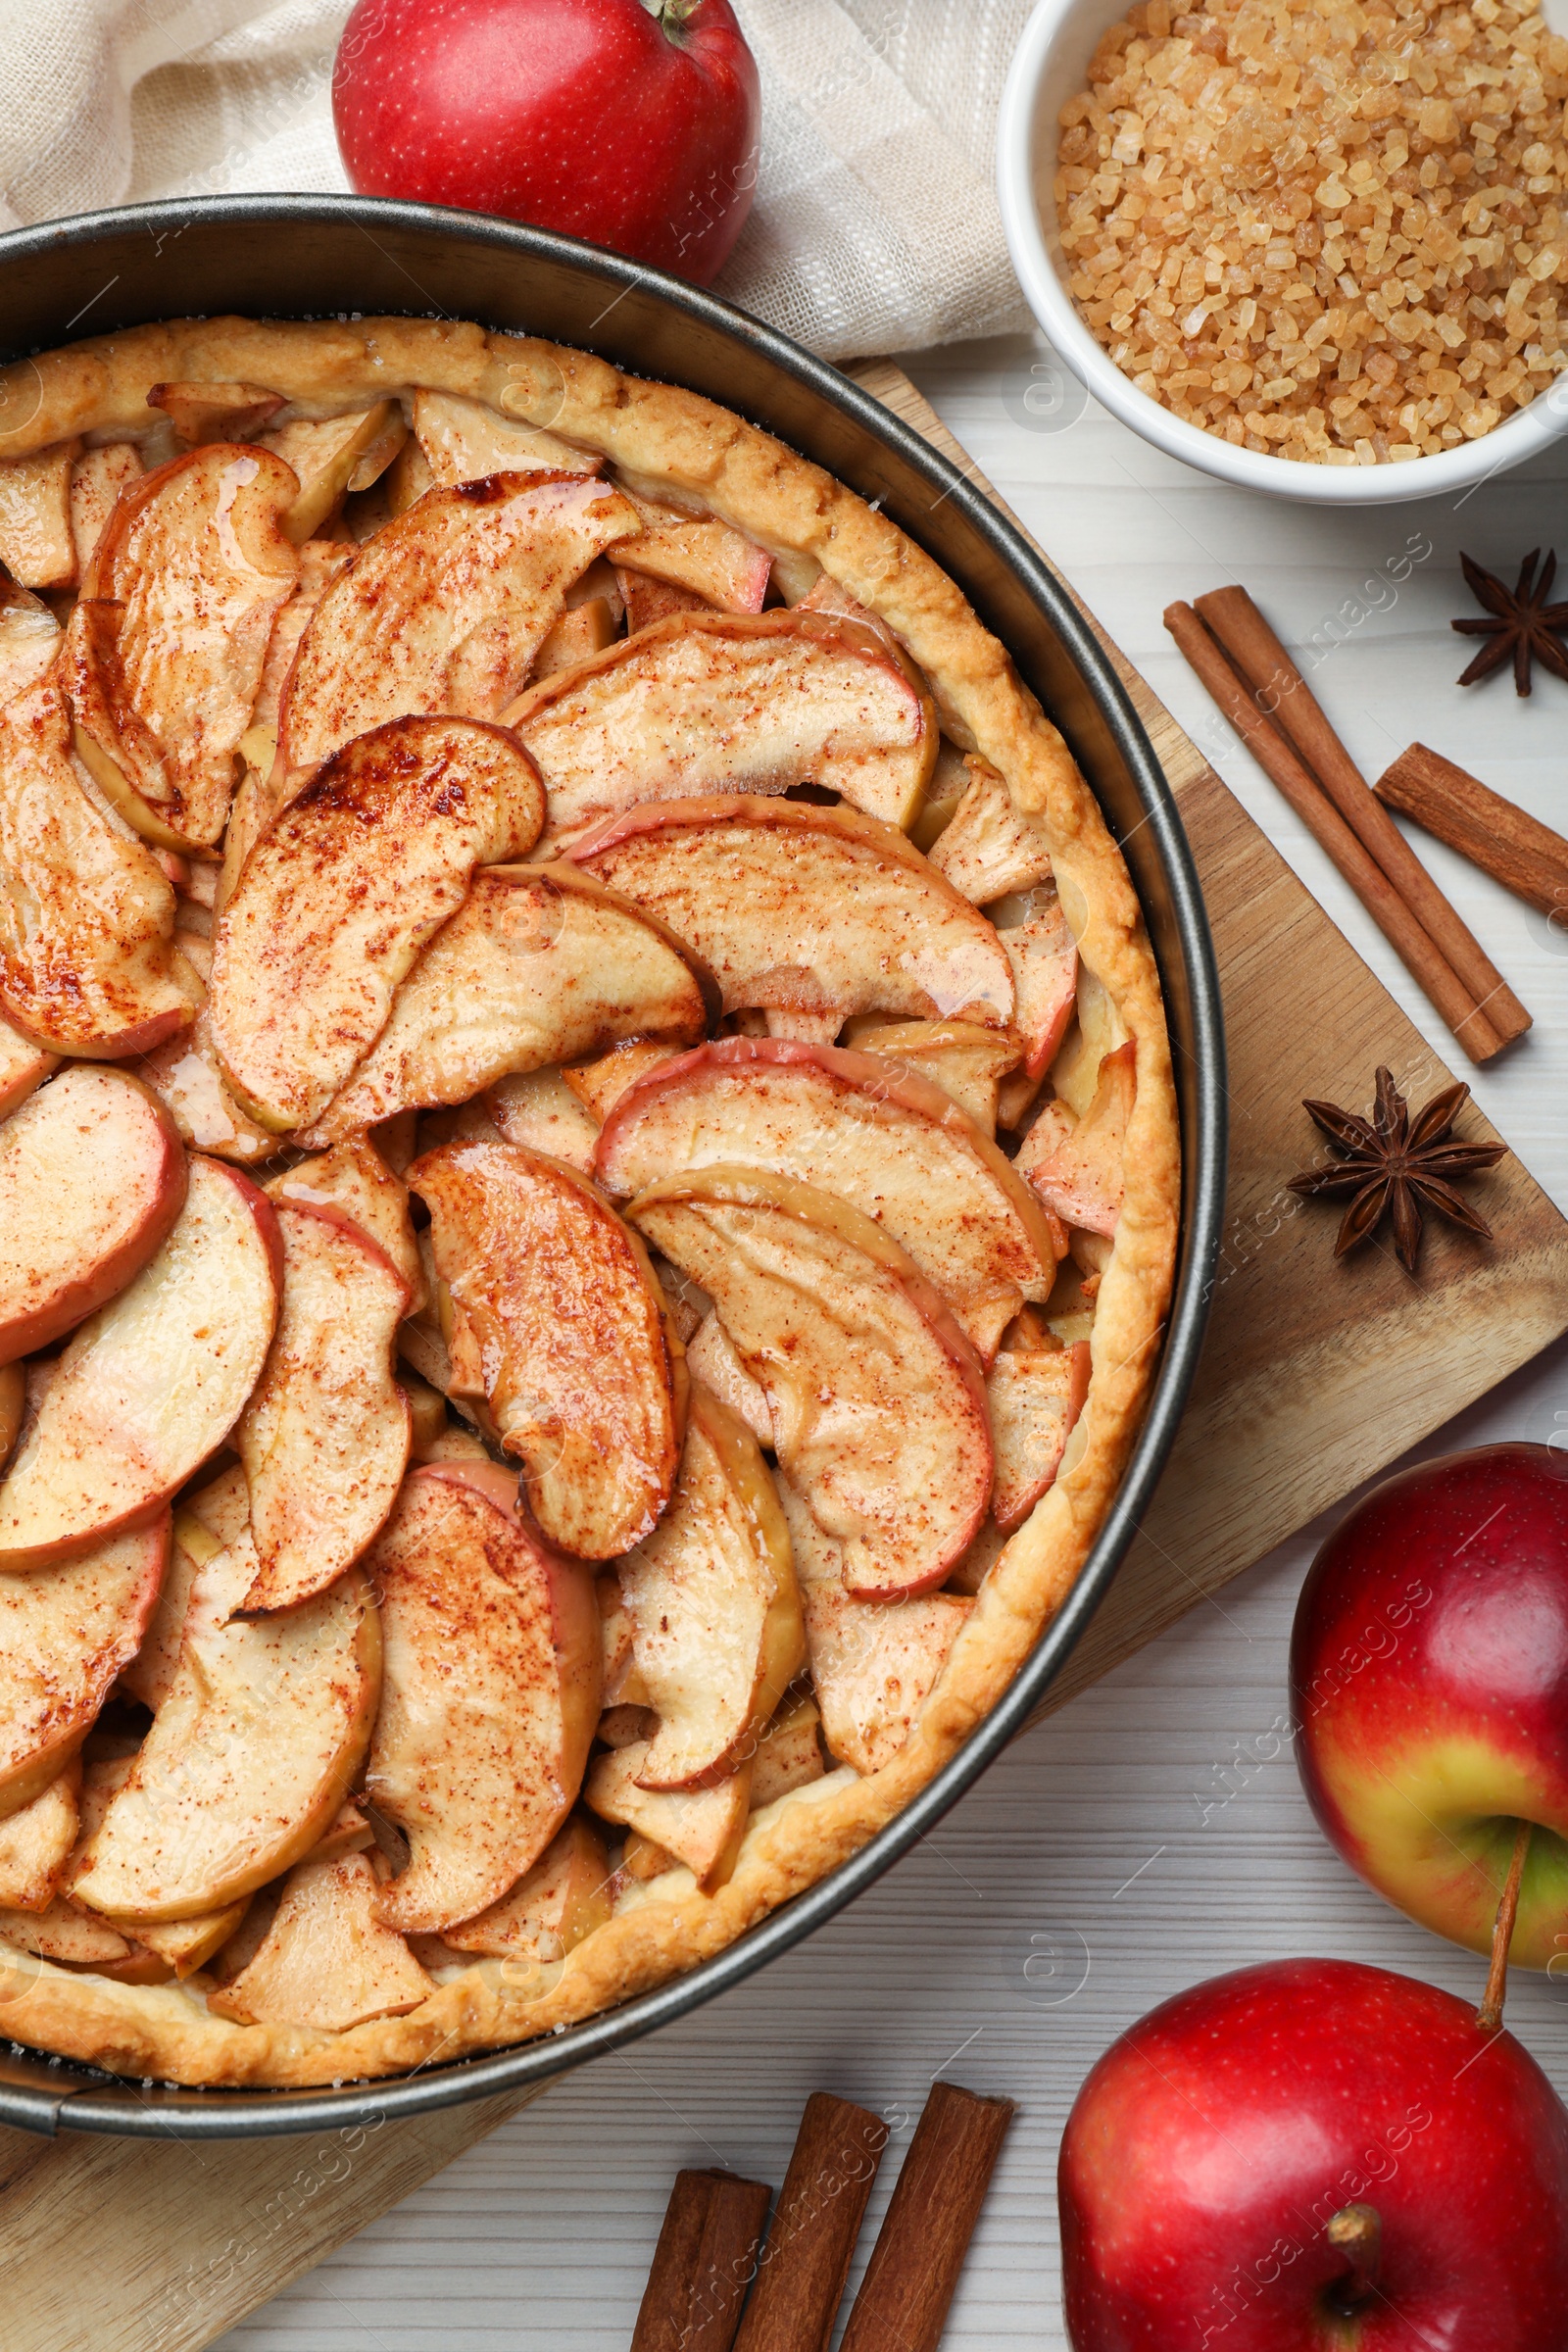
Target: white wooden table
{"x": 1153, "y": 1833}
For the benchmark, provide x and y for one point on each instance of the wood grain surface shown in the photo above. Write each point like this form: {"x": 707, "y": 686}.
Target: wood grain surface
{"x": 1313, "y": 1377}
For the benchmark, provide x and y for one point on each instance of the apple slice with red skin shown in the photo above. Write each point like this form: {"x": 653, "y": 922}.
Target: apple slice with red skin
{"x": 967, "y": 1062}
{"x": 355, "y": 1179}
{"x": 557, "y": 1319}
{"x": 649, "y": 601}
{"x": 86, "y": 925}
{"x": 541, "y": 965}
{"x": 806, "y": 908}
{"x": 324, "y": 1438}
{"x": 1428, "y": 1691}
{"x": 990, "y": 848}
{"x": 13, "y": 1407}
{"x": 163, "y": 650}
{"x": 1035, "y": 1396}
{"x": 1044, "y": 956}
{"x": 715, "y": 1616}
{"x": 493, "y": 1669}
{"x": 1367, "y": 2169}
{"x": 342, "y": 891}
{"x": 23, "y": 1067}
{"x": 715, "y": 702}
{"x": 445, "y": 607}
{"x": 698, "y": 553}
{"x": 153, "y": 1383}
{"x": 64, "y": 1634}
{"x": 1075, "y": 1165}
{"x": 562, "y": 1900}
{"x": 891, "y": 1144}
{"x": 92, "y": 1176}
{"x": 876, "y": 1396}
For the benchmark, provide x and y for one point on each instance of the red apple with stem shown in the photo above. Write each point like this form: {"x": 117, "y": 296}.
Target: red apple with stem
{"x": 1429, "y": 1681}
{"x": 632, "y": 124}
{"x": 1313, "y": 2156}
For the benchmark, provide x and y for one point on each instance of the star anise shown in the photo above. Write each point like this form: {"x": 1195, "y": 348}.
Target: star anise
{"x": 1392, "y": 1165}
{"x": 1522, "y": 623}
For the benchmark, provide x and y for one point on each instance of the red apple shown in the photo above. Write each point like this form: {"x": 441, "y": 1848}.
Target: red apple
{"x": 1428, "y": 1675}
{"x": 1315, "y": 2157}
{"x": 631, "y": 122}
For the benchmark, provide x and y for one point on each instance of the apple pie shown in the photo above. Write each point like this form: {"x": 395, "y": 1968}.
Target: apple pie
{"x": 588, "y": 1189}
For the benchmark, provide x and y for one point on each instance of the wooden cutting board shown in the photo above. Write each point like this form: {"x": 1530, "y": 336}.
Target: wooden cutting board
{"x": 1313, "y": 1378}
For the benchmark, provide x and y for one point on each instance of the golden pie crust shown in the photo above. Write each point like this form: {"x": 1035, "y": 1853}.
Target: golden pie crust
{"x": 659, "y": 435}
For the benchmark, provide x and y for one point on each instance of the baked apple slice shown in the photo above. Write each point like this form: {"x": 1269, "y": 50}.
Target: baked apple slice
{"x": 13, "y": 1407}
{"x": 29, "y": 639}
{"x": 872, "y": 1667}
{"x": 188, "y": 1077}
{"x": 97, "y": 478}
{"x": 326, "y": 1962}
{"x": 789, "y": 1749}
{"x": 324, "y": 1438}
{"x": 564, "y": 1897}
{"x": 216, "y": 412}
{"x": 876, "y": 1396}
{"x": 464, "y": 440}
{"x": 698, "y": 553}
{"x": 91, "y": 1179}
{"x": 990, "y": 847}
{"x": 36, "y": 547}
{"x": 967, "y": 1061}
{"x": 541, "y": 965}
{"x": 353, "y": 1176}
{"x": 35, "y": 1843}
{"x": 889, "y": 1142}
{"x": 1075, "y": 1165}
{"x": 493, "y": 1664}
{"x": 341, "y": 891}
{"x": 207, "y": 1522}
{"x": 87, "y": 919}
{"x": 537, "y": 1107}
{"x": 1035, "y": 1396}
{"x": 711, "y": 1358}
{"x": 1044, "y": 956}
{"x": 702, "y": 1828}
{"x": 710, "y": 702}
{"x": 599, "y": 1085}
{"x": 258, "y": 1738}
{"x": 445, "y": 609}
{"x": 806, "y": 908}
{"x": 330, "y": 456}
{"x": 648, "y": 602}
{"x": 153, "y": 1383}
{"x": 65, "y": 1635}
{"x": 556, "y": 1317}
{"x": 715, "y": 1616}
{"x": 23, "y": 1067}
{"x": 163, "y": 650}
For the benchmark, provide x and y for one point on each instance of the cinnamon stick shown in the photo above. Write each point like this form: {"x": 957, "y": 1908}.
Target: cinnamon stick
{"x": 800, "y": 2280}
{"x": 1282, "y": 695}
{"x": 1526, "y": 857}
{"x": 703, "y": 2264}
{"x": 908, "y": 2288}
{"x": 1419, "y": 953}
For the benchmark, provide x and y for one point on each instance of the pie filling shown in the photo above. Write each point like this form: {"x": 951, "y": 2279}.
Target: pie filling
{"x": 587, "y": 1191}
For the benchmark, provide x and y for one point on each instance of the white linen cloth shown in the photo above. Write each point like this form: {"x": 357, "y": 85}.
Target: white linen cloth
{"x": 875, "y": 226}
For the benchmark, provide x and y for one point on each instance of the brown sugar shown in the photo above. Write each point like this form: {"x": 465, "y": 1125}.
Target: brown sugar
{"x": 1324, "y": 231}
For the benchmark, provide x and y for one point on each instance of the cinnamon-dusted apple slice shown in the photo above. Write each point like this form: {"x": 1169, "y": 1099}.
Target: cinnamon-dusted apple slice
{"x": 623, "y": 1683}
{"x": 702, "y": 1828}
{"x": 876, "y": 1396}
{"x": 711, "y": 1358}
{"x": 326, "y": 1962}
{"x": 163, "y": 650}
{"x": 599, "y": 1085}
{"x": 967, "y": 1061}
{"x": 699, "y": 552}
{"x": 806, "y": 908}
{"x": 541, "y": 965}
{"x": 581, "y": 632}
{"x": 707, "y": 703}
{"x": 492, "y": 1665}
{"x": 990, "y": 847}
{"x": 256, "y": 1740}
{"x": 188, "y": 1077}
{"x": 648, "y": 602}
{"x": 72, "y": 1937}
{"x": 91, "y": 1179}
{"x": 872, "y": 1667}
{"x": 1036, "y": 1397}
{"x": 564, "y": 1898}
{"x": 330, "y": 456}
{"x": 445, "y": 609}
{"x": 890, "y": 1142}
{"x": 86, "y": 923}
{"x": 355, "y": 1178}
{"x": 216, "y": 412}
{"x": 556, "y": 1317}
{"x": 153, "y": 1383}
{"x": 13, "y": 1405}
{"x": 537, "y": 1107}
{"x": 715, "y": 1616}
{"x": 324, "y": 1438}
{"x": 35, "y": 1843}
{"x": 182, "y": 1945}
{"x": 1075, "y": 1165}
{"x": 23, "y": 1067}
{"x": 342, "y": 891}
{"x": 65, "y": 1635}
{"x": 35, "y": 543}
{"x": 30, "y": 638}
{"x": 1044, "y": 956}
{"x": 464, "y": 440}
{"x": 97, "y": 478}
{"x": 217, "y": 1515}
{"x": 789, "y": 1751}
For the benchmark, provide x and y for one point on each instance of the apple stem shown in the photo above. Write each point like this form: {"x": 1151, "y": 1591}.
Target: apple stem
{"x": 1357, "y": 2233}
{"x": 1490, "y": 2015}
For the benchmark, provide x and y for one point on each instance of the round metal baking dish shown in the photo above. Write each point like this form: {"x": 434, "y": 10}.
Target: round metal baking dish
{"x": 313, "y": 257}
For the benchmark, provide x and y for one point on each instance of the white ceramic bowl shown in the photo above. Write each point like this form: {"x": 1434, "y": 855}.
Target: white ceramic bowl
{"x": 1049, "y": 69}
